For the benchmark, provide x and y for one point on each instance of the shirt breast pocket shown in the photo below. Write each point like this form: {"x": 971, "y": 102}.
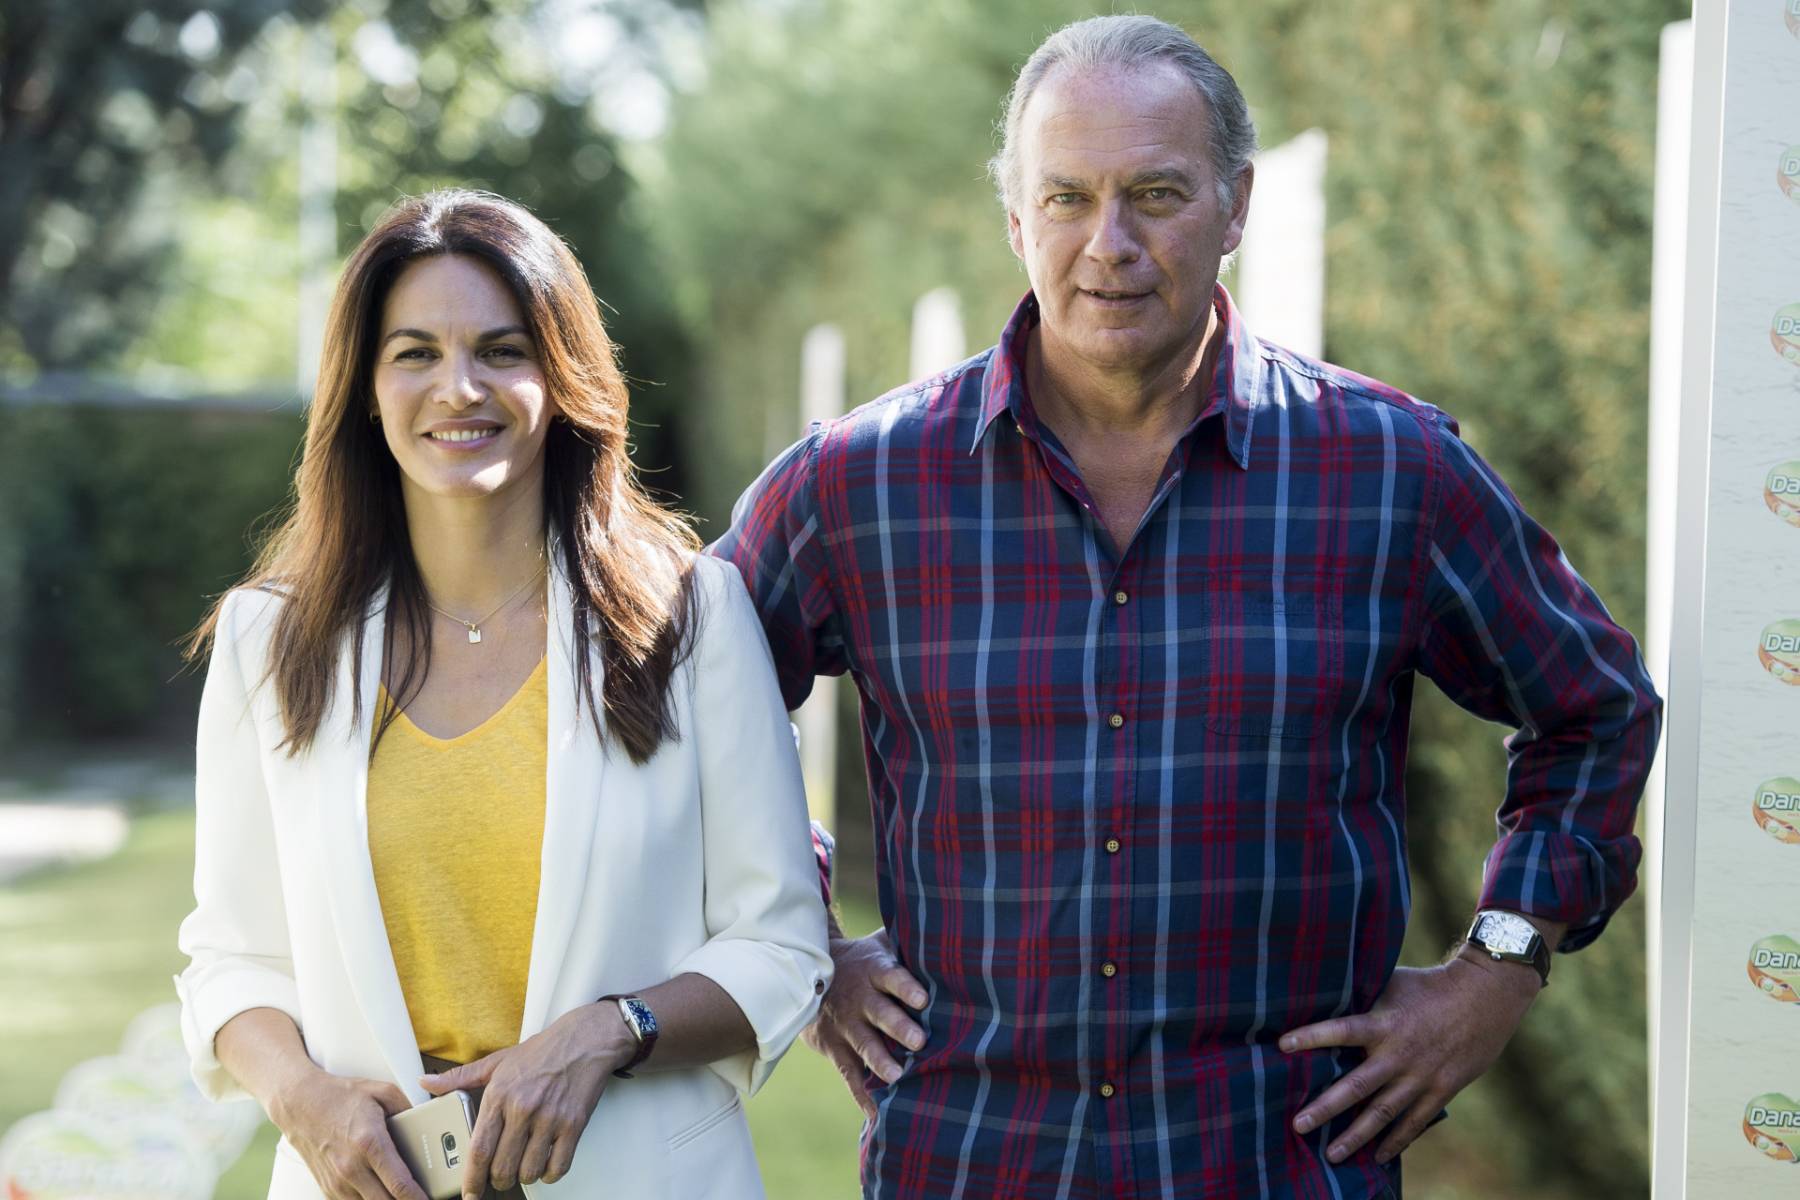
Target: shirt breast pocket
{"x": 1271, "y": 659}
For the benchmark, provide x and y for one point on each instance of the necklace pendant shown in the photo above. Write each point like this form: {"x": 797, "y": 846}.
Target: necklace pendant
{"x": 474, "y": 634}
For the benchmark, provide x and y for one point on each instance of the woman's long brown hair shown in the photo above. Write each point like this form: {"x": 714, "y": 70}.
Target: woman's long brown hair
{"x": 344, "y": 533}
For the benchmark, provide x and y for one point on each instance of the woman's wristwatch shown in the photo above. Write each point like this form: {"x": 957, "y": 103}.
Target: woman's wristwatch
{"x": 642, "y": 1023}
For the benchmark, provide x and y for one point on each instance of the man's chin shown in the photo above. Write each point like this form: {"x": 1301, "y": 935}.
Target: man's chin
{"x": 1126, "y": 349}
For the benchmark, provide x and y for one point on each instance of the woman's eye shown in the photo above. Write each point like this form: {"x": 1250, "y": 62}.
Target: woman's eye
{"x": 507, "y": 353}
{"x": 415, "y": 353}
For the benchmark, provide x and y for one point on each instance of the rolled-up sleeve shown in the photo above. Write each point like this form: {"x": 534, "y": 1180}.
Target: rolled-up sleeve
{"x": 236, "y": 938}
{"x": 764, "y": 916}
{"x": 1513, "y": 634}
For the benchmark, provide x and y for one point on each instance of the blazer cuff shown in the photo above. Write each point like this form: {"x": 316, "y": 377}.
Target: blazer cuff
{"x": 210, "y": 998}
{"x": 776, "y": 991}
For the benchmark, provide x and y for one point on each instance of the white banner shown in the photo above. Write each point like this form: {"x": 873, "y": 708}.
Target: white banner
{"x": 1733, "y": 755}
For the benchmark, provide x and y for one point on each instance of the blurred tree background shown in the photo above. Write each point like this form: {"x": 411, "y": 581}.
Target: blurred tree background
{"x": 734, "y": 172}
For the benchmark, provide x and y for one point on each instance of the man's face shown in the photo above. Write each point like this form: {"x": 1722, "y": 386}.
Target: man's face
{"x": 1117, "y": 216}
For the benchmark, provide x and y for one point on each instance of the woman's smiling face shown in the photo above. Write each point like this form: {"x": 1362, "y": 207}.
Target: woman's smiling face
{"x": 458, "y": 381}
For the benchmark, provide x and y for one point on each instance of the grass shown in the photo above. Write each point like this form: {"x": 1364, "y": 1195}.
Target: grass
{"x": 83, "y": 950}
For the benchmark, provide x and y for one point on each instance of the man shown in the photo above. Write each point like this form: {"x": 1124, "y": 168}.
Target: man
{"x": 1134, "y": 603}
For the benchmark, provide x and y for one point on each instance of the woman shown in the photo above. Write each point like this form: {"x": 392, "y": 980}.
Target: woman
{"x": 484, "y": 748}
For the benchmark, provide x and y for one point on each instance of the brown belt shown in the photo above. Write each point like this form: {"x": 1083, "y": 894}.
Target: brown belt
{"x": 435, "y": 1066}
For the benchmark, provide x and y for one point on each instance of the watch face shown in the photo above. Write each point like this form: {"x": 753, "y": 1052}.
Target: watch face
{"x": 1506, "y": 933}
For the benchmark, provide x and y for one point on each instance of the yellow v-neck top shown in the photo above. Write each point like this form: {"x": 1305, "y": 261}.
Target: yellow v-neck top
{"x": 456, "y": 830}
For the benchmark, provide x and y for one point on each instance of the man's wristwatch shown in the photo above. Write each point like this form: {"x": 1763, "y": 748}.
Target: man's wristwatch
{"x": 642, "y": 1023}
{"x": 1508, "y": 937}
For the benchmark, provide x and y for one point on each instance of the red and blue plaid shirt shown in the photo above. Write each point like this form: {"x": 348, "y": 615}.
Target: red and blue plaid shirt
{"x": 1139, "y": 813}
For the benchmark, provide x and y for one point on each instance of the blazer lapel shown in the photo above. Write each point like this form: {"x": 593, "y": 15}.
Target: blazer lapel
{"x": 342, "y": 749}
{"x": 575, "y": 761}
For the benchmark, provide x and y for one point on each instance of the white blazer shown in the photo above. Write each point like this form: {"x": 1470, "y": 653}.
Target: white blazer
{"x": 696, "y": 861}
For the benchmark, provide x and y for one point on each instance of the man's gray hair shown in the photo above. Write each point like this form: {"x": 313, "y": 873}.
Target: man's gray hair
{"x": 1131, "y": 41}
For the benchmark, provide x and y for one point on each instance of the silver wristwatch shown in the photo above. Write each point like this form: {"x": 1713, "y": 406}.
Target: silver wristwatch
{"x": 1508, "y": 937}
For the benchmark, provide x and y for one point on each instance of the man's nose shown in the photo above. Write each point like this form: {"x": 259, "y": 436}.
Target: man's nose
{"x": 1114, "y": 236}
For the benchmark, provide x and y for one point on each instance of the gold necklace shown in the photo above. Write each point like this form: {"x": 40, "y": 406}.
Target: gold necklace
{"x": 474, "y": 627}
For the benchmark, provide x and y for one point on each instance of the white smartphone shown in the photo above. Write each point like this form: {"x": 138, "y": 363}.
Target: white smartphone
{"x": 433, "y": 1138}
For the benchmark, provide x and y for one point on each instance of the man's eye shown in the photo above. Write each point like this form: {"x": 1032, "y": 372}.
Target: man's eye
{"x": 1065, "y": 198}
{"x": 1159, "y": 193}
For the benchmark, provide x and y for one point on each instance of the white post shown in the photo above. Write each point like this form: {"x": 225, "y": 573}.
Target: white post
{"x": 1666, "y": 950}
{"x": 937, "y": 333}
{"x": 1281, "y": 261}
{"x": 318, "y": 201}
{"x": 822, "y": 362}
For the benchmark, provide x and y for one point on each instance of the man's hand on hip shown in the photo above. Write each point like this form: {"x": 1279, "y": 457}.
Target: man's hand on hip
{"x": 859, "y": 1013}
{"x": 1432, "y": 1033}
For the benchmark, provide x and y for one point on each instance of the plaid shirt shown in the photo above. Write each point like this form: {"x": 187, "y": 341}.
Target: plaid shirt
{"x": 1138, "y": 814}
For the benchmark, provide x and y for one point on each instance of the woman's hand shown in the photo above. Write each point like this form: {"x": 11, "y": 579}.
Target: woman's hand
{"x": 339, "y": 1126}
{"x": 539, "y": 1096}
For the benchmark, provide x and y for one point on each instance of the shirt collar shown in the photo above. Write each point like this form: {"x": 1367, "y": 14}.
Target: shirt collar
{"x": 1232, "y": 391}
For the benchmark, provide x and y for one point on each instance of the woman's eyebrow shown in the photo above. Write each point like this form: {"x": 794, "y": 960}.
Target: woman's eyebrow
{"x": 420, "y": 335}
{"x": 415, "y": 334}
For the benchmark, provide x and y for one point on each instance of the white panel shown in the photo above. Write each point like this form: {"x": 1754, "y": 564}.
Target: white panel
{"x": 1281, "y": 262}
{"x": 822, "y": 361}
{"x": 937, "y": 334}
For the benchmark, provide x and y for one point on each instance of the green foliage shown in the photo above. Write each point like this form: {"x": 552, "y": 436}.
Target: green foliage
{"x": 1488, "y": 250}
{"x": 103, "y": 107}
{"x": 122, "y": 523}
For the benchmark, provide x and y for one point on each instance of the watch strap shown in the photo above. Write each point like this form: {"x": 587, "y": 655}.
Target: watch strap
{"x": 642, "y": 1023}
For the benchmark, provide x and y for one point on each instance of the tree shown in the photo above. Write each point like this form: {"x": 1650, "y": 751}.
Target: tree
{"x": 100, "y": 105}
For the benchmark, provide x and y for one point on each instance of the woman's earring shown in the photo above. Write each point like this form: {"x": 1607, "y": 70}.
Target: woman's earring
{"x": 374, "y": 416}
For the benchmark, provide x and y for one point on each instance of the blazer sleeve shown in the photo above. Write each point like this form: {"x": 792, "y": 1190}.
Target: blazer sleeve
{"x": 764, "y": 916}
{"x": 236, "y": 938}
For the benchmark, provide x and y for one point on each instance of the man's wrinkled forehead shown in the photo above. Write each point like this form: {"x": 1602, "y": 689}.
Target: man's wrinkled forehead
{"x": 1132, "y": 122}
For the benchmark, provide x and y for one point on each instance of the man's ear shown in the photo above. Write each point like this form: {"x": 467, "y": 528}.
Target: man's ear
{"x": 1015, "y": 235}
{"x": 1240, "y": 208}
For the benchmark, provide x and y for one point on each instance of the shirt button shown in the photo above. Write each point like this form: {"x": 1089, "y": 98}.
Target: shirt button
{"x": 1107, "y": 1090}
{"x": 1109, "y": 969}
{"x": 1112, "y": 845}
{"x": 1117, "y": 721}
{"x": 1120, "y": 597}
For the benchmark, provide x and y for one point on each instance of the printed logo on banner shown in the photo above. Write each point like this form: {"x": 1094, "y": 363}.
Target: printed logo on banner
{"x": 1793, "y": 17}
{"x": 1775, "y": 967}
{"x": 1781, "y": 491}
{"x": 1777, "y": 809}
{"x": 1779, "y": 651}
{"x": 1787, "y": 174}
{"x": 1784, "y": 333}
{"x": 1772, "y": 1125}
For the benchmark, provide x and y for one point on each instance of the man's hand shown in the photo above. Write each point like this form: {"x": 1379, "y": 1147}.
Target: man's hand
{"x": 339, "y": 1126}
{"x": 859, "y": 1013}
{"x": 540, "y": 1094}
{"x": 1431, "y": 1034}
